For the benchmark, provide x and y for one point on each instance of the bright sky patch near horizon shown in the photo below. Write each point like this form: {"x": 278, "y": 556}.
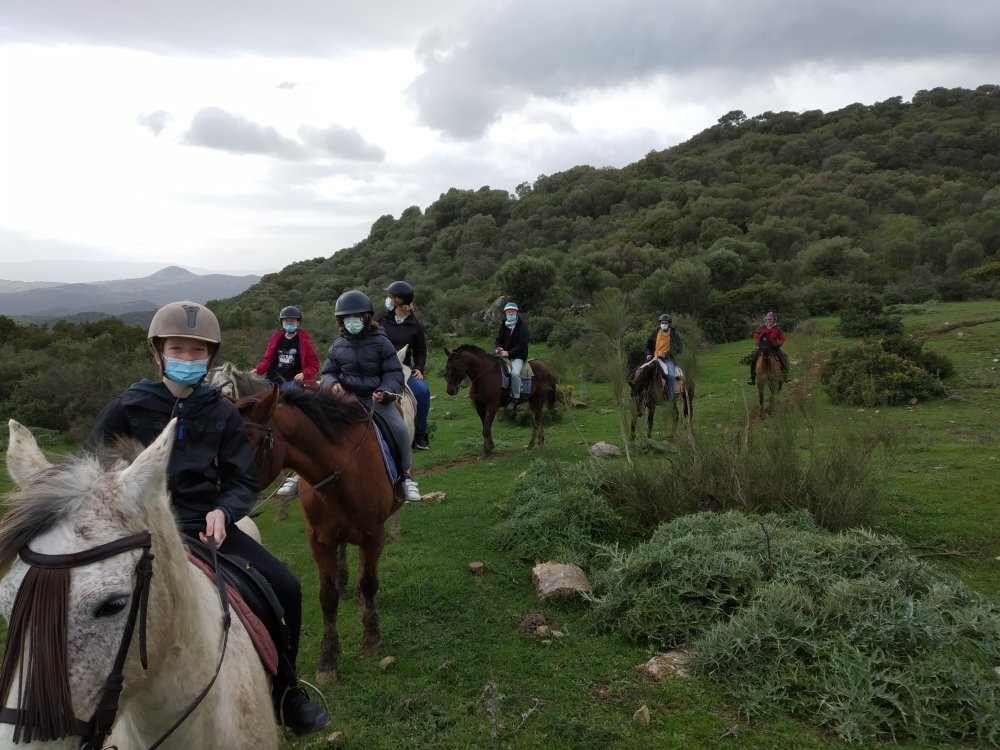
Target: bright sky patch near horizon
{"x": 242, "y": 136}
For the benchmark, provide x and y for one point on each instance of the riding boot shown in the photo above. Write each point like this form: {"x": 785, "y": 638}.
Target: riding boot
{"x": 300, "y": 715}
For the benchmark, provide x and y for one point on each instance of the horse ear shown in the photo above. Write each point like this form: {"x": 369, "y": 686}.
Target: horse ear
{"x": 149, "y": 470}
{"x": 24, "y": 457}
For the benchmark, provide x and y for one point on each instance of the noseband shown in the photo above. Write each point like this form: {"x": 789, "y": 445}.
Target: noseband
{"x": 30, "y": 718}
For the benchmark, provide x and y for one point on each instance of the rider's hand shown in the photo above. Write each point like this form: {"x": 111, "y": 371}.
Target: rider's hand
{"x": 377, "y": 396}
{"x": 417, "y": 374}
{"x": 215, "y": 526}
{"x": 300, "y": 378}
{"x": 337, "y": 389}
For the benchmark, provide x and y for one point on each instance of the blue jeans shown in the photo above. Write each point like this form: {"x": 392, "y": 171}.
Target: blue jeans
{"x": 515, "y": 378}
{"x": 422, "y": 392}
{"x": 669, "y": 369}
{"x": 285, "y": 384}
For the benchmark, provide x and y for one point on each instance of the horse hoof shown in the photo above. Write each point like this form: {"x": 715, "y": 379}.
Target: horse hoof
{"x": 371, "y": 645}
{"x": 326, "y": 675}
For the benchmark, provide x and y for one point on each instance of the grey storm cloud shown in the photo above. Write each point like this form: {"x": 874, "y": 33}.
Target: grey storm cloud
{"x": 222, "y": 27}
{"x": 344, "y": 143}
{"x": 155, "y": 122}
{"x": 554, "y": 50}
{"x": 216, "y": 128}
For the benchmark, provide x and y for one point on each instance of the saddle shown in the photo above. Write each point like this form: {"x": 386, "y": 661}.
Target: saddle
{"x": 527, "y": 374}
{"x": 678, "y": 375}
{"x": 391, "y": 452}
{"x": 253, "y": 600}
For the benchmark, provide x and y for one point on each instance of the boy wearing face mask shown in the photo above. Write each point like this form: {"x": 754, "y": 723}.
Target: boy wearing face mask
{"x": 363, "y": 362}
{"x": 212, "y": 485}
{"x": 663, "y": 345}
{"x": 512, "y": 342}
{"x": 290, "y": 358}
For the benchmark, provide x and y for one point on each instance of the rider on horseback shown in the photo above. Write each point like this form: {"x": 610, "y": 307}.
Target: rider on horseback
{"x": 290, "y": 360}
{"x": 512, "y": 342}
{"x": 211, "y": 482}
{"x": 664, "y": 344}
{"x": 404, "y": 329}
{"x": 770, "y": 329}
{"x": 363, "y": 361}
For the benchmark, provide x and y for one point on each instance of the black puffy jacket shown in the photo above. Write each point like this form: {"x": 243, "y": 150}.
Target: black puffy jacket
{"x": 363, "y": 363}
{"x": 515, "y": 340}
{"x": 210, "y": 462}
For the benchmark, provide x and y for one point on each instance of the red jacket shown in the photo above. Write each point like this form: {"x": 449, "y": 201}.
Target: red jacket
{"x": 310, "y": 362}
{"x": 777, "y": 337}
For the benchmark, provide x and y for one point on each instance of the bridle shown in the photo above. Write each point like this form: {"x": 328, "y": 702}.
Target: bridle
{"x": 267, "y": 444}
{"x": 93, "y": 733}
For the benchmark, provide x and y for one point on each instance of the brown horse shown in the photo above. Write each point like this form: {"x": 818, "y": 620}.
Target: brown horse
{"x": 331, "y": 443}
{"x": 486, "y": 390}
{"x": 767, "y": 372}
{"x": 649, "y": 391}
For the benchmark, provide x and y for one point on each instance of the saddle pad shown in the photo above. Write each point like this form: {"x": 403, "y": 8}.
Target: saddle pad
{"x": 526, "y": 372}
{"x": 525, "y": 384}
{"x": 391, "y": 467}
{"x": 259, "y": 636}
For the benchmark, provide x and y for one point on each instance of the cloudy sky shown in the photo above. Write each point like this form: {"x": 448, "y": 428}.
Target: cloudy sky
{"x": 241, "y": 135}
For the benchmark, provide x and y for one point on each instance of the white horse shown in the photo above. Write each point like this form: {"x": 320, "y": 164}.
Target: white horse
{"x": 100, "y": 522}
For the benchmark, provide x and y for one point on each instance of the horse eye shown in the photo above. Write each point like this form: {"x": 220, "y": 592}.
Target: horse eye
{"x": 111, "y": 607}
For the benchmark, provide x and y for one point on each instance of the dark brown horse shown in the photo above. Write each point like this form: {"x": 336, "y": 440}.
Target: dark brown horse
{"x": 767, "y": 372}
{"x": 331, "y": 443}
{"x": 649, "y": 391}
{"x": 486, "y": 390}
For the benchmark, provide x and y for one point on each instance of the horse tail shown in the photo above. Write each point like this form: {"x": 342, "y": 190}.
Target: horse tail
{"x": 550, "y": 397}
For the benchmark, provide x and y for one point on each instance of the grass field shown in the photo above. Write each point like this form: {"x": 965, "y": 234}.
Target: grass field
{"x": 464, "y": 674}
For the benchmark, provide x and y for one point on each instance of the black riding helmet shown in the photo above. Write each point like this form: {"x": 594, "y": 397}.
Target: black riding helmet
{"x": 402, "y": 290}
{"x": 290, "y": 312}
{"x": 665, "y": 318}
{"x": 353, "y": 302}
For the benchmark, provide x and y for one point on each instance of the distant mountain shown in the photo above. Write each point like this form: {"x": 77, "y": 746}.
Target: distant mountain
{"x": 121, "y": 296}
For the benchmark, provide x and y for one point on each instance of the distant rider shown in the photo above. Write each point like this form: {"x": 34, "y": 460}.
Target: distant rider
{"x": 770, "y": 329}
{"x": 663, "y": 345}
{"x": 512, "y": 342}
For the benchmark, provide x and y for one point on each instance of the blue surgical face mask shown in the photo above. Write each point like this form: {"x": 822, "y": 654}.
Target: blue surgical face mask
{"x": 511, "y": 318}
{"x": 388, "y": 304}
{"x": 185, "y": 372}
{"x": 399, "y": 319}
{"x": 353, "y": 324}
{"x": 290, "y": 327}
{"x": 664, "y": 326}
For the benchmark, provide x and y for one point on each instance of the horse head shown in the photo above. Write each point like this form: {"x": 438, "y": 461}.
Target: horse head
{"x": 455, "y": 371}
{"x": 69, "y": 547}
{"x": 258, "y": 418}
{"x": 765, "y": 345}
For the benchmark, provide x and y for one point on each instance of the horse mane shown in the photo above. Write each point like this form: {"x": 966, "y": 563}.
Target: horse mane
{"x": 644, "y": 378}
{"x": 472, "y": 348}
{"x": 326, "y": 411}
{"x": 52, "y": 495}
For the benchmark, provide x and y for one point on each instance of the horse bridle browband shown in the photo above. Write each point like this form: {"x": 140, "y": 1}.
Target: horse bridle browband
{"x": 93, "y": 733}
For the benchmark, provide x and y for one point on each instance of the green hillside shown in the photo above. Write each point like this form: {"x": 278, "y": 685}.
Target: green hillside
{"x": 794, "y": 211}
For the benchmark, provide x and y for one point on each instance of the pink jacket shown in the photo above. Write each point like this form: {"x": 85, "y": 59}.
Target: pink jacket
{"x": 310, "y": 362}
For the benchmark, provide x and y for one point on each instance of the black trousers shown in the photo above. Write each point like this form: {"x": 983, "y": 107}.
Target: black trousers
{"x": 287, "y": 591}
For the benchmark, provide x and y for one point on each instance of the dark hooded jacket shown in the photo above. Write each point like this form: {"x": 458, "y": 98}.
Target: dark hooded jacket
{"x": 514, "y": 340}
{"x": 363, "y": 363}
{"x": 210, "y": 462}
{"x": 408, "y": 333}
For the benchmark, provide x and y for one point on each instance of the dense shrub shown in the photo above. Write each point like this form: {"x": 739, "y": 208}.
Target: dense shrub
{"x": 936, "y": 364}
{"x": 868, "y": 375}
{"x": 863, "y": 315}
{"x": 846, "y": 630}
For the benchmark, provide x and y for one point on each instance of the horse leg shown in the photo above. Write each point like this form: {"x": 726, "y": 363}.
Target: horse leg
{"x": 486, "y": 414}
{"x": 371, "y": 638}
{"x": 537, "y": 431}
{"x": 650, "y": 412}
{"x": 331, "y": 564}
{"x": 760, "y": 393}
{"x": 282, "y": 513}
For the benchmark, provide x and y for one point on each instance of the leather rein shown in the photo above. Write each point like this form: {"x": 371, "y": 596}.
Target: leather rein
{"x": 93, "y": 733}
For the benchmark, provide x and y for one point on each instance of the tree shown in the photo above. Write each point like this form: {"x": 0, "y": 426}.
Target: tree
{"x": 527, "y": 279}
